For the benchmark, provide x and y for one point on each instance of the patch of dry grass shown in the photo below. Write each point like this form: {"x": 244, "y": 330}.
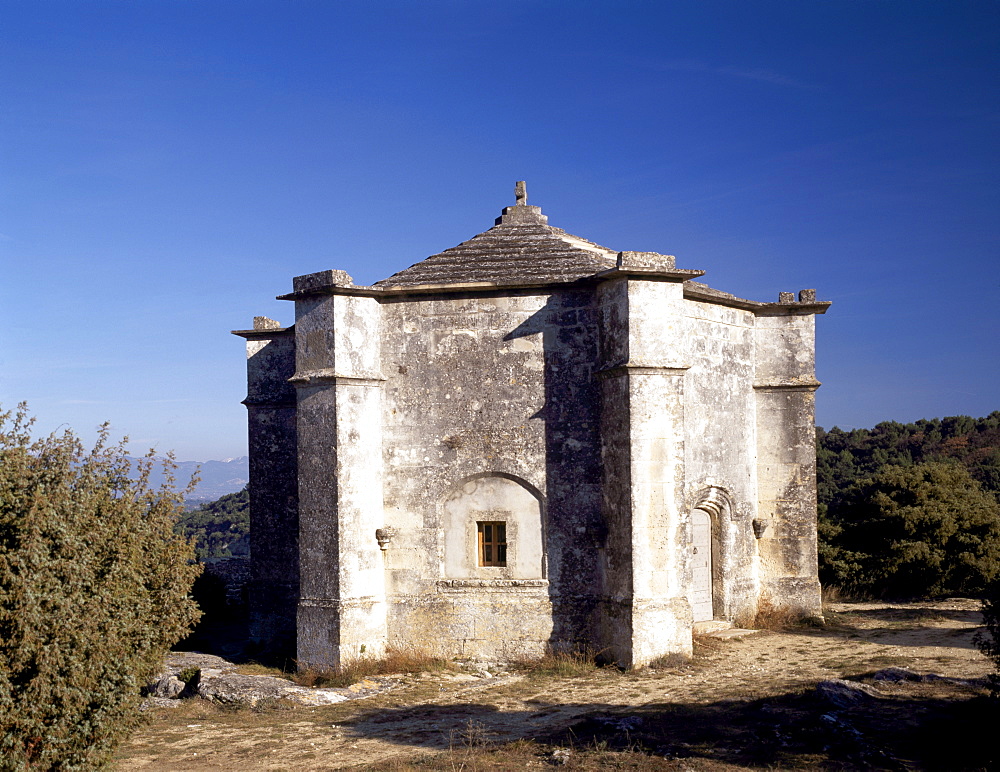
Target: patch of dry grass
{"x": 671, "y": 661}
{"x": 257, "y": 669}
{"x": 834, "y": 593}
{"x": 770, "y": 616}
{"x": 393, "y": 661}
{"x": 562, "y": 664}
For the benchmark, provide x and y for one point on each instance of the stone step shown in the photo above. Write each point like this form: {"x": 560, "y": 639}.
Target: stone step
{"x": 711, "y": 626}
{"x": 718, "y": 628}
{"x": 732, "y": 634}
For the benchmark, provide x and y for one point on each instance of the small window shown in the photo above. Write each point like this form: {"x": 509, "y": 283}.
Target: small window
{"x": 492, "y": 543}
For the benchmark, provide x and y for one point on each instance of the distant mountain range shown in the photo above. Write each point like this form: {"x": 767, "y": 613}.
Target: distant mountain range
{"x": 217, "y": 478}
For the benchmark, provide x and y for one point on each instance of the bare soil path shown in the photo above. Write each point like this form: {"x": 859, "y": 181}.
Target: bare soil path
{"x": 740, "y": 704}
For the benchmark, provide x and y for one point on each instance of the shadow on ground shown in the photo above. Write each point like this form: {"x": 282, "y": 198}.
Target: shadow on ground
{"x": 941, "y": 727}
{"x": 916, "y": 616}
{"x": 897, "y": 625}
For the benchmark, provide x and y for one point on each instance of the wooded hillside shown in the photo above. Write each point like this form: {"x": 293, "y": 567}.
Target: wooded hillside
{"x": 221, "y": 528}
{"x": 843, "y": 458}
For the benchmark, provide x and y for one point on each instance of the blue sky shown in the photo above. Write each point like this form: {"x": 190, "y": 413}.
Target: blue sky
{"x": 167, "y": 167}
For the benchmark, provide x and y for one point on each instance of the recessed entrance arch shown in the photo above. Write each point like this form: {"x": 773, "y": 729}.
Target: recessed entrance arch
{"x": 711, "y": 515}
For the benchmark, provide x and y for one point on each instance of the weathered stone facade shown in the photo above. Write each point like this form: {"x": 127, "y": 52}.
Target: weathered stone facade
{"x": 526, "y": 441}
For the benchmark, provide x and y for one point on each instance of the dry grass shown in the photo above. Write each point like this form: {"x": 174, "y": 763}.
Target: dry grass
{"x": 671, "y": 661}
{"x": 834, "y": 593}
{"x": 257, "y": 669}
{"x": 772, "y": 617}
{"x": 393, "y": 661}
{"x": 561, "y": 663}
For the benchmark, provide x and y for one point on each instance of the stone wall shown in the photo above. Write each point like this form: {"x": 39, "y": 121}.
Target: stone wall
{"x": 721, "y": 454}
{"x": 490, "y": 408}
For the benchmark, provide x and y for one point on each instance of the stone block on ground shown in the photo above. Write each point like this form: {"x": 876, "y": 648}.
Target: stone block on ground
{"x": 845, "y": 694}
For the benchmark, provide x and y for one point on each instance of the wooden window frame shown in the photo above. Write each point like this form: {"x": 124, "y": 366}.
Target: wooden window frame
{"x": 491, "y": 536}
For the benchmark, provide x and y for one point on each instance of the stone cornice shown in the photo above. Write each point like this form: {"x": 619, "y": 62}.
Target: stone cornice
{"x": 402, "y": 290}
{"x": 340, "y": 603}
{"x": 333, "y": 603}
{"x": 707, "y": 295}
{"x": 630, "y": 368}
{"x": 653, "y": 274}
{"x": 329, "y": 375}
{"x": 333, "y": 289}
{"x": 405, "y": 290}
{"x": 493, "y": 585}
{"x": 277, "y": 332}
{"x": 792, "y": 309}
{"x": 792, "y": 384}
{"x": 272, "y": 403}
{"x": 694, "y": 291}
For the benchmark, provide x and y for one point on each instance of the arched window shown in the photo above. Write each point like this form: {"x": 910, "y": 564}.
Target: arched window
{"x": 493, "y": 529}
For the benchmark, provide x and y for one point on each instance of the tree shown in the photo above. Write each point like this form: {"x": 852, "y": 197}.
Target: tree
{"x": 93, "y": 591}
{"x": 926, "y": 529}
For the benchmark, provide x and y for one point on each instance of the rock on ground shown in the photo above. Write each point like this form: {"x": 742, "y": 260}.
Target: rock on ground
{"x": 218, "y": 680}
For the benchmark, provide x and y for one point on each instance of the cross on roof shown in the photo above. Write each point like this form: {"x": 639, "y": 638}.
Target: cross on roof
{"x": 521, "y": 193}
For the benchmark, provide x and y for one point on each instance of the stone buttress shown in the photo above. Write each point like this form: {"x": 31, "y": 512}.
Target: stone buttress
{"x": 785, "y": 385}
{"x": 642, "y": 369}
{"x": 341, "y": 609}
{"x": 274, "y": 534}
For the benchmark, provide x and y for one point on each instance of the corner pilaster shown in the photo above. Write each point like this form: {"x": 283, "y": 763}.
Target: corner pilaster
{"x": 273, "y": 589}
{"x": 784, "y": 387}
{"x": 642, "y": 428}
{"x": 342, "y": 608}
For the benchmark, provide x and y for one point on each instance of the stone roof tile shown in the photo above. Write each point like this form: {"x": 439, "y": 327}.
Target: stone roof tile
{"x": 522, "y": 247}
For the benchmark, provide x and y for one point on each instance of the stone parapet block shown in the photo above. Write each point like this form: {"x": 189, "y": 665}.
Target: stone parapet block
{"x": 321, "y": 280}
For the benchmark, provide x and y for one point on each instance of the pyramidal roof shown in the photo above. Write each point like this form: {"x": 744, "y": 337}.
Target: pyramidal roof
{"x": 520, "y": 248}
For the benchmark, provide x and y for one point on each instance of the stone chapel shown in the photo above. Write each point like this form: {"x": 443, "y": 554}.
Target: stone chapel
{"x": 528, "y": 441}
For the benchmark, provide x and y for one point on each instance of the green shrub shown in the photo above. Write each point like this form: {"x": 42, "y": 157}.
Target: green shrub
{"x": 921, "y": 530}
{"x": 93, "y": 591}
{"x": 189, "y": 674}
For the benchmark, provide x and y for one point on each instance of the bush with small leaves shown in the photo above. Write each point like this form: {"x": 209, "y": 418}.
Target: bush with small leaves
{"x": 94, "y": 588}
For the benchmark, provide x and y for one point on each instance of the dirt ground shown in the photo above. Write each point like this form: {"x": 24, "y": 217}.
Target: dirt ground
{"x": 740, "y": 704}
